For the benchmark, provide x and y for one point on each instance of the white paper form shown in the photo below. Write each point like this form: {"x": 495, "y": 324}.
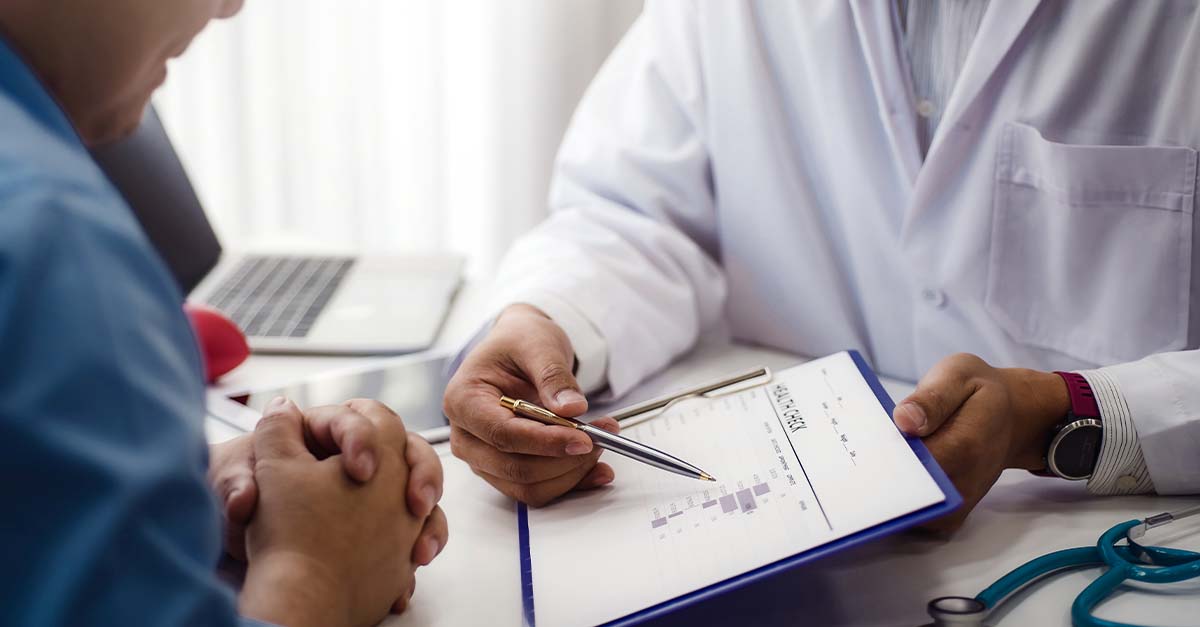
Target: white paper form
{"x": 804, "y": 460}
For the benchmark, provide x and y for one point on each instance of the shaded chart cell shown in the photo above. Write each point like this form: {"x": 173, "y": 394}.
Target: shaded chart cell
{"x": 761, "y": 489}
{"x": 746, "y": 500}
{"x": 708, "y": 504}
{"x": 658, "y": 522}
{"x": 728, "y": 504}
{"x": 674, "y": 514}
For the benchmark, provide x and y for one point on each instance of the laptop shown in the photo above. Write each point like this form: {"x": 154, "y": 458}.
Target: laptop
{"x": 289, "y": 303}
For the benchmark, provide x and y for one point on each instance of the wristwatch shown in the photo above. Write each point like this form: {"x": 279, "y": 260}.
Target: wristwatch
{"x": 1075, "y": 442}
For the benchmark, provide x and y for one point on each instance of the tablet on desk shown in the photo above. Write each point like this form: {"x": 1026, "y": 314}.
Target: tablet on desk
{"x": 411, "y": 386}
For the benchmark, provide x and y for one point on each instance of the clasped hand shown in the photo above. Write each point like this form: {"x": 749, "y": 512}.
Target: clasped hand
{"x": 341, "y": 494}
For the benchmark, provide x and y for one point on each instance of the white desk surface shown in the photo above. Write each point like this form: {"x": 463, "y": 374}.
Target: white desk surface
{"x": 476, "y": 581}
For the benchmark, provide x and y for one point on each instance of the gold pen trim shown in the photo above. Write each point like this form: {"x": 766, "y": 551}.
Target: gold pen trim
{"x": 529, "y": 410}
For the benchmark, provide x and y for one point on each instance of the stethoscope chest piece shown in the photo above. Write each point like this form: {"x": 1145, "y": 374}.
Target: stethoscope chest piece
{"x": 956, "y": 611}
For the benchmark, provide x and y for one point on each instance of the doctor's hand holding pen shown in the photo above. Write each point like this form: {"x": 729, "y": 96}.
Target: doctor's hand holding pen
{"x": 526, "y": 356}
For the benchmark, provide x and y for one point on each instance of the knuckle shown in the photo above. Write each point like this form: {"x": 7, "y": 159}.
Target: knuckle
{"x": 516, "y": 471}
{"x": 966, "y": 364}
{"x": 933, "y": 399}
{"x": 443, "y": 530}
{"x": 499, "y": 436}
{"x": 441, "y": 524}
{"x": 456, "y": 400}
{"x": 272, "y": 421}
{"x": 224, "y": 485}
{"x": 347, "y": 412}
{"x": 530, "y": 495}
{"x": 363, "y": 405}
{"x": 269, "y": 466}
{"x": 552, "y": 372}
{"x": 346, "y": 421}
{"x": 424, "y": 452}
{"x": 449, "y": 403}
{"x": 457, "y": 444}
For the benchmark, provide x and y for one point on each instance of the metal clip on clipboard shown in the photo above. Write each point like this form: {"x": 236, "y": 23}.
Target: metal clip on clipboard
{"x": 642, "y": 412}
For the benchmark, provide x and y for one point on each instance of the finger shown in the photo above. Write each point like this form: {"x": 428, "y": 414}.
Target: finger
{"x": 600, "y": 475}
{"x": 432, "y": 539}
{"x": 608, "y": 424}
{"x": 279, "y": 434}
{"x": 550, "y": 372}
{"x": 240, "y": 501}
{"x": 479, "y": 411}
{"x": 340, "y": 429}
{"x": 231, "y": 473}
{"x": 235, "y": 542}
{"x": 967, "y": 453}
{"x": 538, "y": 494}
{"x": 938, "y": 395}
{"x": 391, "y": 427}
{"x": 401, "y": 604}
{"x": 514, "y": 467}
{"x": 424, "y": 476}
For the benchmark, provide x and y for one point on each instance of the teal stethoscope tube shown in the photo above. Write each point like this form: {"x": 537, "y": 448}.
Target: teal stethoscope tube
{"x": 1126, "y": 562}
{"x": 1123, "y": 564}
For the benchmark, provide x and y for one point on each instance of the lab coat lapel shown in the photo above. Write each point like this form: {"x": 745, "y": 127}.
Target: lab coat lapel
{"x": 887, "y": 63}
{"x": 1001, "y": 26}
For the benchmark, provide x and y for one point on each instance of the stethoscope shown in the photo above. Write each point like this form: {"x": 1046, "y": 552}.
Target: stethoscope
{"x": 1126, "y": 562}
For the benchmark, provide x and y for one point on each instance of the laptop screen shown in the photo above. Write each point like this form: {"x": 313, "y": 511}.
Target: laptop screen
{"x": 146, "y": 170}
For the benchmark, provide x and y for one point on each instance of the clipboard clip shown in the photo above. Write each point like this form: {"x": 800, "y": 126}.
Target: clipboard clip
{"x": 655, "y": 407}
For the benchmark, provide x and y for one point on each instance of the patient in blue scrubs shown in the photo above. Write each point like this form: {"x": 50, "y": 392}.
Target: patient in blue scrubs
{"x": 108, "y": 516}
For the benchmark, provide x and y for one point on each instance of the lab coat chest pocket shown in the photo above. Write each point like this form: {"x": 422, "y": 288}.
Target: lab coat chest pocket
{"x": 1091, "y": 246}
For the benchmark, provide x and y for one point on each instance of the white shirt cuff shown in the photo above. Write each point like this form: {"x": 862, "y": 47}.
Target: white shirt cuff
{"x": 1121, "y": 468}
{"x": 591, "y": 351}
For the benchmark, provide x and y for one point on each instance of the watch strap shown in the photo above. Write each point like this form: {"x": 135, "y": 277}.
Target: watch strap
{"x": 1083, "y": 399}
{"x": 1083, "y": 406}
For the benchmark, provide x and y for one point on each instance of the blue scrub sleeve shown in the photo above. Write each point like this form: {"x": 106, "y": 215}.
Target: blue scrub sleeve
{"x": 108, "y": 519}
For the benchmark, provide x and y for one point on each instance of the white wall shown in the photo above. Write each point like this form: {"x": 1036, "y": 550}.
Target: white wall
{"x": 385, "y": 125}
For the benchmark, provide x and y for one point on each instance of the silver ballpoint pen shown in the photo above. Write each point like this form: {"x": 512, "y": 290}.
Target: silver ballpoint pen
{"x": 608, "y": 441}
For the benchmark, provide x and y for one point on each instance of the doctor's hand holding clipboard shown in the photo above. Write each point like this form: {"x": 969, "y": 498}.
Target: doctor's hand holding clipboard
{"x": 525, "y": 355}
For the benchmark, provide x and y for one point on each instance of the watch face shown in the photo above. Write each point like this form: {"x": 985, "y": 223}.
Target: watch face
{"x": 1075, "y": 449}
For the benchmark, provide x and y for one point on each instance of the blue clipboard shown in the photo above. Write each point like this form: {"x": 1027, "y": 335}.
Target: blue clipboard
{"x": 953, "y": 501}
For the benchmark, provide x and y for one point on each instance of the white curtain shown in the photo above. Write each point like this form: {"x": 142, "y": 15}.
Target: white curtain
{"x": 384, "y": 125}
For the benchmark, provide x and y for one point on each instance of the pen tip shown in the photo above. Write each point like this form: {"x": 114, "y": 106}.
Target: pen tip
{"x": 707, "y": 477}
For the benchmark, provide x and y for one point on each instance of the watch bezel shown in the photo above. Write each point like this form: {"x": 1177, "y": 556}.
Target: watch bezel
{"x": 1069, "y": 428}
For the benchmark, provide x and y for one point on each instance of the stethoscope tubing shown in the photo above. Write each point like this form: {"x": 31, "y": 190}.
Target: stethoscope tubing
{"x": 1125, "y": 562}
{"x": 1037, "y": 568}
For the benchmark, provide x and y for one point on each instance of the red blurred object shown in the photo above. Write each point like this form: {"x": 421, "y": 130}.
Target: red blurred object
{"x": 222, "y": 343}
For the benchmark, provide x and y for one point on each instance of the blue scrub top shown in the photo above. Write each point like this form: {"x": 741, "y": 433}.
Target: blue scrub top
{"x": 107, "y": 517}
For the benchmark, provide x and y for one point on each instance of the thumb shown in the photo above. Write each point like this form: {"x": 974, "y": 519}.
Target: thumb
{"x": 279, "y": 434}
{"x": 240, "y": 501}
{"x": 550, "y": 372}
{"x": 939, "y": 395}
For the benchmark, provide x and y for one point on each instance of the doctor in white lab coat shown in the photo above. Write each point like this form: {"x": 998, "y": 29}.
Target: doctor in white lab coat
{"x": 898, "y": 177}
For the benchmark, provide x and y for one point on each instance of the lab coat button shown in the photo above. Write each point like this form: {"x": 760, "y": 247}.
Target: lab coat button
{"x": 925, "y": 108}
{"x": 1126, "y": 483}
{"x": 934, "y": 297}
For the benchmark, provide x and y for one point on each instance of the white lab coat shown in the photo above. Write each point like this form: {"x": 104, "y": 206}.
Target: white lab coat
{"x": 756, "y": 164}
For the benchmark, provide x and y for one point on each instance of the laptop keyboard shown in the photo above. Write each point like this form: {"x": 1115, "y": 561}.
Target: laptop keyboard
{"x": 271, "y": 296}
